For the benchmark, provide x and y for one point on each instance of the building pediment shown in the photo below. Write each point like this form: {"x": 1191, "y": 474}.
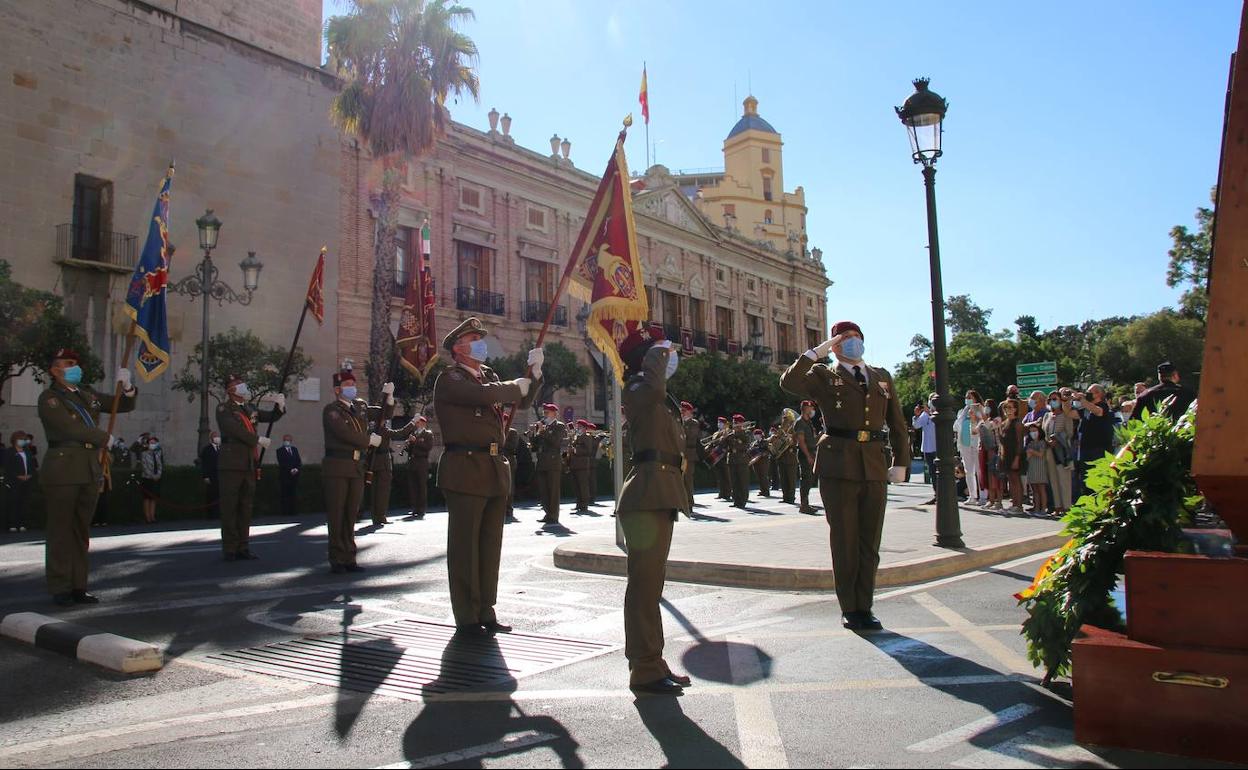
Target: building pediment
{"x": 669, "y": 205}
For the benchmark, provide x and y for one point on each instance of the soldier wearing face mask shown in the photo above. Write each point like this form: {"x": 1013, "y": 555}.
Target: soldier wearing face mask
{"x": 547, "y": 439}
{"x": 347, "y": 438}
{"x": 581, "y": 462}
{"x": 804, "y": 435}
{"x": 723, "y": 478}
{"x": 240, "y": 450}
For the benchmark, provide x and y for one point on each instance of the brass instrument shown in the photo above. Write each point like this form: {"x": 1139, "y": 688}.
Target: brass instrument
{"x": 784, "y": 440}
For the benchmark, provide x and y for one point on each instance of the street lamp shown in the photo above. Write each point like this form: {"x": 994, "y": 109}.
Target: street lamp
{"x": 205, "y": 283}
{"x": 923, "y": 115}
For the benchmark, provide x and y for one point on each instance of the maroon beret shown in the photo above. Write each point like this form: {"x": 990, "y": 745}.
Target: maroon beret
{"x": 840, "y": 327}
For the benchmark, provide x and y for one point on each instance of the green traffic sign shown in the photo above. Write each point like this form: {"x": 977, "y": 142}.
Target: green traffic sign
{"x": 1038, "y": 380}
{"x": 1044, "y": 367}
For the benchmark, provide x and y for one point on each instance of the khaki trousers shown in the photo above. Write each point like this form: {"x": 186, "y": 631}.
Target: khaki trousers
{"x": 418, "y": 487}
{"x": 548, "y": 492}
{"x": 474, "y": 548}
{"x": 648, "y": 535}
{"x": 238, "y": 492}
{"x": 689, "y": 481}
{"x": 807, "y": 475}
{"x": 762, "y": 470}
{"x": 725, "y": 483}
{"x": 855, "y": 514}
{"x": 788, "y": 481}
{"x": 383, "y": 481}
{"x": 740, "y": 476}
{"x": 70, "y": 508}
{"x": 581, "y": 478}
{"x": 343, "y": 496}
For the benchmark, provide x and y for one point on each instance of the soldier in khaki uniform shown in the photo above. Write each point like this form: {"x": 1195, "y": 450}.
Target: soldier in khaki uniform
{"x": 236, "y": 465}
{"x": 804, "y": 436}
{"x": 474, "y": 474}
{"x": 383, "y": 462}
{"x": 760, "y": 462}
{"x": 546, "y": 440}
{"x": 693, "y": 444}
{"x": 581, "y": 463}
{"x": 347, "y": 438}
{"x": 72, "y": 475}
{"x": 723, "y": 476}
{"x": 858, "y": 402}
{"x": 652, "y": 495}
{"x": 786, "y": 464}
{"x": 419, "y": 445}
{"x": 736, "y": 442}
{"x": 511, "y": 449}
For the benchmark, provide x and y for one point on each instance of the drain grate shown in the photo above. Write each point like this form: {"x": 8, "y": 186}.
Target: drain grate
{"x": 411, "y": 658}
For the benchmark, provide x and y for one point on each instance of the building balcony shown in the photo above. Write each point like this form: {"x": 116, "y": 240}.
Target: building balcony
{"x": 535, "y": 312}
{"x": 99, "y": 249}
{"x": 672, "y": 332}
{"x": 699, "y": 338}
{"x": 477, "y": 300}
{"x": 786, "y": 357}
{"x": 762, "y": 354}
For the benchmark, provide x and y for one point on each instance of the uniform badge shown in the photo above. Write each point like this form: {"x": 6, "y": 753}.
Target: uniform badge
{"x": 52, "y": 402}
{"x": 838, "y": 404}
{"x": 884, "y": 388}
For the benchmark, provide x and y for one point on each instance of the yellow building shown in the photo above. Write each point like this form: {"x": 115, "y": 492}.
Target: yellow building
{"x": 748, "y": 197}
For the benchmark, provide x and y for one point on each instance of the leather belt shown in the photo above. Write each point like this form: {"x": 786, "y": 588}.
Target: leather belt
{"x": 342, "y": 454}
{"x": 861, "y": 436}
{"x": 490, "y": 449}
{"x": 72, "y": 445}
{"x": 654, "y": 455}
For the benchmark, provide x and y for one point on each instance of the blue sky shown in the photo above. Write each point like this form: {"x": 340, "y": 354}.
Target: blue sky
{"x": 1078, "y": 134}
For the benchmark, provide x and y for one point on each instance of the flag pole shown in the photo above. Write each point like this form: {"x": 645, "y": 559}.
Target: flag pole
{"x": 290, "y": 361}
{"x": 105, "y": 457}
{"x": 647, "y": 116}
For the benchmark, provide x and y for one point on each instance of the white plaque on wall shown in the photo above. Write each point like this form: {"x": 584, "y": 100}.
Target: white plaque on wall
{"x": 310, "y": 389}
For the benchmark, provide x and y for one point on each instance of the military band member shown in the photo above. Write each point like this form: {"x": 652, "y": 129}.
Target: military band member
{"x": 419, "y": 445}
{"x": 547, "y": 442}
{"x": 236, "y": 466}
{"x": 581, "y": 462}
{"x": 723, "y": 476}
{"x": 383, "y": 462}
{"x": 858, "y": 402}
{"x": 693, "y": 444}
{"x": 760, "y": 461}
{"x": 737, "y": 443}
{"x": 511, "y": 450}
{"x": 72, "y": 475}
{"x": 652, "y": 495}
{"x": 347, "y": 439}
{"x": 787, "y": 463}
{"x": 804, "y": 433}
{"x": 474, "y": 474}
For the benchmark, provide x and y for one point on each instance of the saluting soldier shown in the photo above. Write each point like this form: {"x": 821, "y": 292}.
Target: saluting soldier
{"x": 72, "y": 475}
{"x": 760, "y": 461}
{"x": 804, "y": 434}
{"x": 474, "y": 474}
{"x": 653, "y": 494}
{"x": 722, "y": 475}
{"x": 347, "y": 438}
{"x": 547, "y": 442}
{"x": 693, "y": 444}
{"x": 383, "y": 462}
{"x": 858, "y": 402}
{"x": 236, "y": 465}
{"x": 419, "y": 445}
{"x": 581, "y": 461}
{"x": 737, "y": 443}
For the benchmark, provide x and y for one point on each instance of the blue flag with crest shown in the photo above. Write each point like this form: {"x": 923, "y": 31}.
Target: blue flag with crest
{"x": 145, "y": 300}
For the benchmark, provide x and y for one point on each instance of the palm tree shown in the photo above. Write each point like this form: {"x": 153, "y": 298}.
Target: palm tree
{"x": 400, "y": 59}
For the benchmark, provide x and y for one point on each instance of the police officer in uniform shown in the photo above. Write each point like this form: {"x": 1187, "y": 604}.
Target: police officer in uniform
{"x": 760, "y": 461}
{"x": 383, "y": 463}
{"x": 473, "y": 474}
{"x": 547, "y": 441}
{"x": 737, "y": 443}
{"x": 804, "y": 436}
{"x": 347, "y": 438}
{"x": 419, "y": 445}
{"x": 693, "y": 444}
{"x": 581, "y": 462}
{"x": 858, "y": 402}
{"x": 236, "y": 466}
{"x": 72, "y": 474}
{"x": 652, "y": 495}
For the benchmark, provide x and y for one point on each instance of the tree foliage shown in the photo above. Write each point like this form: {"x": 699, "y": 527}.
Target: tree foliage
{"x": 1190, "y": 258}
{"x": 1132, "y": 352}
{"x": 560, "y": 372}
{"x": 720, "y": 386}
{"x": 35, "y": 327}
{"x": 1027, "y": 327}
{"x": 963, "y": 316}
{"x": 241, "y": 354}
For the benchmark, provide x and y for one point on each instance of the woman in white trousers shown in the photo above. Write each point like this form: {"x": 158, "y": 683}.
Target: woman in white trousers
{"x": 968, "y": 444}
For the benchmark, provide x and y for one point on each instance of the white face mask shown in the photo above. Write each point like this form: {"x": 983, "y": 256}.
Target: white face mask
{"x": 242, "y": 391}
{"x": 216, "y": 441}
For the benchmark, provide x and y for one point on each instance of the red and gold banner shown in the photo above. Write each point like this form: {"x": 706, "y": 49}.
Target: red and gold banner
{"x": 644, "y": 97}
{"x": 604, "y": 267}
{"x": 418, "y": 350}
{"x": 316, "y": 289}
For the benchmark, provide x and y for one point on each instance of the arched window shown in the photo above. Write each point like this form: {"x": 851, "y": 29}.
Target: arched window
{"x": 767, "y": 217}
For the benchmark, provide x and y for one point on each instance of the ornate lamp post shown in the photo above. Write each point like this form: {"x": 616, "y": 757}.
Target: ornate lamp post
{"x": 923, "y": 115}
{"x": 205, "y": 283}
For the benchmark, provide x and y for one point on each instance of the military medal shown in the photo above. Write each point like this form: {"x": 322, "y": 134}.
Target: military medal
{"x": 838, "y": 404}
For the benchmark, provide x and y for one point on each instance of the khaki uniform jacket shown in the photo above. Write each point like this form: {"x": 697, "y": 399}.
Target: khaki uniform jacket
{"x": 653, "y": 485}
{"x": 470, "y": 412}
{"x": 693, "y": 438}
{"x": 803, "y": 427}
{"x": 548, "y": 444}
{"x": 382, "y": 460}
{"x": 64, "y": 426}
{"x": 512, "y": 445}
{"x": 583, "y": 449}
{"x": 845, "y": 407}
{"x": 737, "y": 442}
{"x": 419, "y": 445}
{"x": 346, "y": 431}
{"x": 238, "y": 443}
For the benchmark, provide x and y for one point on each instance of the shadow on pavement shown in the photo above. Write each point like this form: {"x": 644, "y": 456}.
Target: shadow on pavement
{"x": 683, "y": 742}
{"x": 714, "y": 661}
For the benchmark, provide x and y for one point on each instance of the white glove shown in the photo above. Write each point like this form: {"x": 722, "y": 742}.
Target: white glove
{"x": 663, "y": 344}
{"x": 279, "y": 400}
{"x": 112, "y": 440}
{"x": 822, "y": 350}
{"x": 388, "y": 389}
{"x": 525, "y": 383}
{"x": 123, "y": 376}
{"x": 264, "y": 441}
{"x": 374, "y": 440}
{"x": 537, "y": 357}
{"x": 896, "y": 474}
{"x": 389, "y": 400}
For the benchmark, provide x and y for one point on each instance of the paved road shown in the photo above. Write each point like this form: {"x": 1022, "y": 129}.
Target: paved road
{"x": 778, "y": 683}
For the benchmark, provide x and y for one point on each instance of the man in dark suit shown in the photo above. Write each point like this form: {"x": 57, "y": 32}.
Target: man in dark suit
{"x": 1167, "y": 385}
{"x": 208, "y": 459}
{"x": 20, "y": 467}
{"x": 291, "y": 464}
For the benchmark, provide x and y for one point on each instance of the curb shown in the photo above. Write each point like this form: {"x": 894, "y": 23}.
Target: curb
{"x": 607, "y": 560}
{"x": 116, "y": 653}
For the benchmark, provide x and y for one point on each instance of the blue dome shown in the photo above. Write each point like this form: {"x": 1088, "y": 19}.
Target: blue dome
{"x": 751, "y": 123}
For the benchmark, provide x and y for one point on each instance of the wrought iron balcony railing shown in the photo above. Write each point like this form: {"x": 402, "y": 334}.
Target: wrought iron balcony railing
{"x": 94, "y": 245}
{"x": 535, "y": 312}
{"x": 476, "y": 300}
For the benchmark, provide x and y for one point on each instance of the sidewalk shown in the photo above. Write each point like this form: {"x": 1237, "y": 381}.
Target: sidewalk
{"x": 771, "y": 545}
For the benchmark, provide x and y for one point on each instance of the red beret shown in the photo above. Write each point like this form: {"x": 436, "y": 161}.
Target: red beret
{"x": 343, "y": 376}
{"x": 550, "y": 407}
{"x": 738, "y": 418}
{"x": 69, "y": 354}
{"x": 586, "y": 424}
{"x": 233, "y": 380}
{"x": 811, "y": 404}
{"x": 840, "y": 327}
{"x": 640, "y": 337}
{"x": 722, "y": 419}
{"x": 686, "y": 405}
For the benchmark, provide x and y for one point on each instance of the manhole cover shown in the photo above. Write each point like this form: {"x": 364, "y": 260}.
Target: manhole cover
{"x": 410, "y": 658}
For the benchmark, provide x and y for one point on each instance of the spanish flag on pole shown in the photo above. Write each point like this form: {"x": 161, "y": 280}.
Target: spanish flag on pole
{"x": 644, "y": 97}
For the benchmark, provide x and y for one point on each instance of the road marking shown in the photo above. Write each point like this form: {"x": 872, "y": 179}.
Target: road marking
{"x": 981, "y": 639}
{"x": 842, "y": 633}
{"x": 964, "y": 576}
{"x": 726, "y": 630}
{"x": 757, "y": 729}
{"x": 972, "y": 729}
{"x": 1044, "y": 747}
{"x": 509, "y": 742}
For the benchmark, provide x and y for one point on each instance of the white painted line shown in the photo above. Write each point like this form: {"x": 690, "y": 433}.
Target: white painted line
{"x": 23, "y": 626}
{"x": 1044, "y": 747}
{"x": 508, "y": 743}
{"x": 757, "y": 729}
{"x": 118, "y": 653}
{"x": 726, "y": 630}
{"x": 964, "y": 576}
{"x": 970, "y": 730}
{"x": 981, "y": 639}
